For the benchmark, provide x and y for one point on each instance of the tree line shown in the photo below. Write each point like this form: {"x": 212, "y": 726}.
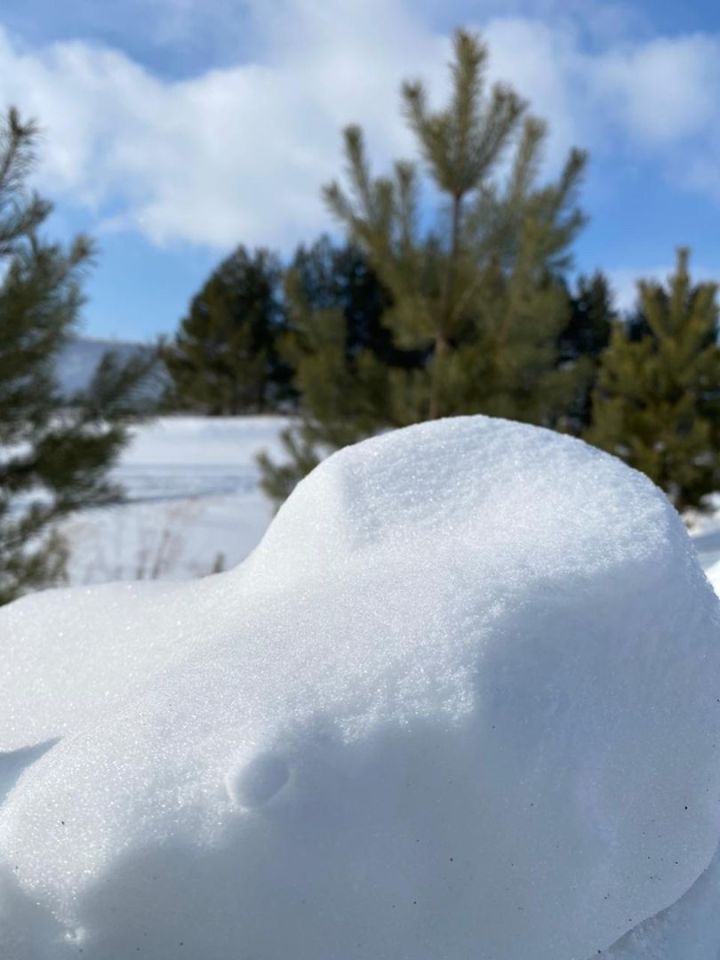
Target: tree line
{"x": 450, "y": 293}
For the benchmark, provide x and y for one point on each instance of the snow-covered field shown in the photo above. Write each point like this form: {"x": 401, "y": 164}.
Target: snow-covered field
{"x": 462, "y": 701}
{"x": 193, "y": 502}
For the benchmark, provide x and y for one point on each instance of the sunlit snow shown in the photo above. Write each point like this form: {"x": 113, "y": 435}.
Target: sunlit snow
{"x": 462, "y": 701}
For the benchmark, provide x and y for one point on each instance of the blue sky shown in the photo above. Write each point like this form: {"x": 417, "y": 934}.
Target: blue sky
{"x": 175, "y": 129}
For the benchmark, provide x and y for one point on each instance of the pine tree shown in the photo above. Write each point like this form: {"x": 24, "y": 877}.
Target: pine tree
{"x": 223, "y": 360}
{"x": 54, "y": 456}
{"x": 477, "y": 290}
{"x": 480, "y": 289}
{"x": 657, "y": 402}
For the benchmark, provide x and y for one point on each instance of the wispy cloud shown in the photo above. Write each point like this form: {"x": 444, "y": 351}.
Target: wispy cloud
{"x": 240, "y": 152}
{"x": 660, "y": 91}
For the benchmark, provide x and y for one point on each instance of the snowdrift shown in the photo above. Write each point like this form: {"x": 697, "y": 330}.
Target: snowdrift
{"x": 462, "y": 701}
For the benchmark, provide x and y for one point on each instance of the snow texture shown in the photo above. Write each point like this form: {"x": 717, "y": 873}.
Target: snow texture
{"x": 687, "y": 930}
{"x": 461, "y": 701}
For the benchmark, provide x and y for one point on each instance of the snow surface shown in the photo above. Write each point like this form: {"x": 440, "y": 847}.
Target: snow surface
{"x": 193, "y": 502}
{"x": 462, "y": 701}
{"x": 687, "y": 930}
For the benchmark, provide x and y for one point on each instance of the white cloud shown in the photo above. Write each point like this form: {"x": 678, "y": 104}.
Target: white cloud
{"x": 240, "y": 153}
{"x": 545, "y": 65}
{"x": 233, "y": 154}
{"x": 661, "y": 91}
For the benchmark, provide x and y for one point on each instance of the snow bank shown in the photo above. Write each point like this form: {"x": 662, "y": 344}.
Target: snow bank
{"x": 461, "y": 701}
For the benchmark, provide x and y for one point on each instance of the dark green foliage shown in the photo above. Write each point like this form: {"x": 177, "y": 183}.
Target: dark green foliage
{"x": 224, "y": 357}
{"x": 341, "y": 354}
{"x": 591, "y": 319}
{"x": 657, "y": 403}
{"x": 477, "y": 301}
{"x": 53, "y": 457}
{"x": 325, "y": 276}
{"x": 582, "y": 343}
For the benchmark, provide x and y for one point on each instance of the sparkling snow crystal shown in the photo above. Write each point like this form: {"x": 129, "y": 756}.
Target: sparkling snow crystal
{"x": 461, "y": 702}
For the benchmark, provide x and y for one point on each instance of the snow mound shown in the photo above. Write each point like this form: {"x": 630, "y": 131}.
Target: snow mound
{"x": 461, "y": 701}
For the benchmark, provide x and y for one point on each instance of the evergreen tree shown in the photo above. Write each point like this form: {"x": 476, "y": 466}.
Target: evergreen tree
{"x": 223, "y": 360}
{"x": 477, "y": 292}
{"x": 657, "y": 402}
{"x": 339, "y": 350}
{"x": 325, "y": 276}
{"x": 582, "y": 343}
{"x": 54, "y": 457}
{"x": 480, "y": 289}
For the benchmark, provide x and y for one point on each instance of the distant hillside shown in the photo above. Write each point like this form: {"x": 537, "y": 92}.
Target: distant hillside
{"x": 80, "y": 358}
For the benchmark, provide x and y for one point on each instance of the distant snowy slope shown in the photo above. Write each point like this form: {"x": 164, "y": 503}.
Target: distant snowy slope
{"x": 80, "y": 357}
{"x": 461, "y": 702}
